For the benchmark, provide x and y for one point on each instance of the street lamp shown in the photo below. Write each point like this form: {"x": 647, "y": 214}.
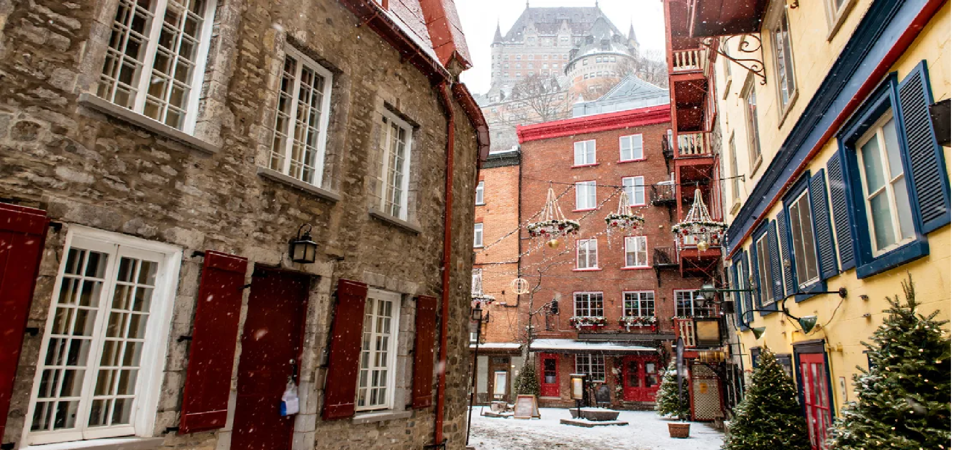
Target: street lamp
{"x": 475, "y": 314}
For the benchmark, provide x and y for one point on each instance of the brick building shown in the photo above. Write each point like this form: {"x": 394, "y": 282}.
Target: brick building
{"x": 157, "y": 159}
{"x": 627, "y": 275}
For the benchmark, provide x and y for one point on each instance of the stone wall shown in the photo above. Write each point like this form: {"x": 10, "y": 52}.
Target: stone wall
{"x": 88, "y": 168}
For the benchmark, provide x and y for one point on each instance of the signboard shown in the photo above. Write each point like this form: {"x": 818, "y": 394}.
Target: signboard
{"x": 576, "y": 388}
{"x": 526, "y": 407}
{"x": 499, "y": 384}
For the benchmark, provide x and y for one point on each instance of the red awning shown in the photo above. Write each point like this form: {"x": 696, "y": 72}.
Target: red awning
{"x": 725, "y": 17}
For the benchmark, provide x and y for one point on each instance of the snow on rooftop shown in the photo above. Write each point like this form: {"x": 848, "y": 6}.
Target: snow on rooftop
{"x": 572, "y": 344}
{"x": 497, "y": 346}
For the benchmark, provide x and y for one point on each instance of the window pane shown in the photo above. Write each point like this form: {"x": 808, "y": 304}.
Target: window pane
{"x": 892, "y": 149}
{"x": 872, "y": 165}
{"x": 884, "y": 234}
{"x": 904, "y": 215}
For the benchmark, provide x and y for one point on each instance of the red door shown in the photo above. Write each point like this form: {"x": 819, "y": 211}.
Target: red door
{"x": 641, "y": 378}
{"x": 549, "y": 376}
{"x": 816, "y": 398}
{"x": 270, "y": 353}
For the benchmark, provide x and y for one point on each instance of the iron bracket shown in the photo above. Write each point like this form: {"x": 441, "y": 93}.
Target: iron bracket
{"x": 749, "y": 43}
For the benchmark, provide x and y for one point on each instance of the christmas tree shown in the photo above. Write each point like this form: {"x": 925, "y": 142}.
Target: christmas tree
{"x": 770, "y": 417}
{"x": 670, "y": 401}
{"x": 904, "y": 399}
{"x": 527, "y": 382}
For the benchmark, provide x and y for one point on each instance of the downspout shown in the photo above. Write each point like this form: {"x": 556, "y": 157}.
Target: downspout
{"x": 445, "y": 264}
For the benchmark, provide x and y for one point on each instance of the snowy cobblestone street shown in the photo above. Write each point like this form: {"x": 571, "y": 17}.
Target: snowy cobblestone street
{"x": 646, "y": 431}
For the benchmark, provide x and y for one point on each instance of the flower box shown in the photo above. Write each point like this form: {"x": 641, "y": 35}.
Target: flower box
{"x": 580, "y": 322}
{"x": 629, "y": 322}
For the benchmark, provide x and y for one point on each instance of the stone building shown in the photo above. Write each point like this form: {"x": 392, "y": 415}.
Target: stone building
{"x": 628, "y": 276}
{"x": 600, "y": 60}
{"x": 162, "y": 165}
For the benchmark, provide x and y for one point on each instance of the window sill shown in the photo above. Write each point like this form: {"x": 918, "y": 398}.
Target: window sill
{"x": 585, "y": 165}
{"x": 735, "y": 207}
{"x": 787, "y": 108}
{"x": 631, "y": 160}
{"x": 594, "y": 269}
{"x": 390, "y": 220}
{"x": 130, "y": 443}
{"x": 120, "y": 113}
{"x": 894, "y": 258}
{"x": 840, "y": 17}
{"x": 803, "y": 293}
{"x": 295, "y": 183}
{"x": 584, "y": 210}
{"x": 380, "y": 416}
{"x": 756, "y": 165}
{"x": 636, "y": 268}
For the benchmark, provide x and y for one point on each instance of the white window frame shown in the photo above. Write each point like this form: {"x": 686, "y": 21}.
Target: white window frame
{"x": 783, "y": 61}
{"x": 592, "y": 363}
{"x": 478, "y": 235}
{"x": 688, "y": 295}
{"x": 588, "y": 298}
{"x": 150, "y": 377}
{"x": 388, "y": 119}
{"x": 590, "y": 249}
{"x": 147, "y": 58}
{"x": 764, "y": 275}
{"x": 734, "y": 170}
{"x": 586, "y": 193}
{"x": 476, "y": 283}
{"x": 395, "y": 298}
{"x": 480, "y": 192}
{"x": 752, "y": 124}
{"x": 632, "y": 144}
{"x": 286, "y": 165}
{"x": 877, "y": 130}
{"x": 585, "y": 153}
{"x": 809, "y": 249}
{"x": 639, "y": 241}
{"x": 635, "y": 188}
{"x": 642, "y": 297}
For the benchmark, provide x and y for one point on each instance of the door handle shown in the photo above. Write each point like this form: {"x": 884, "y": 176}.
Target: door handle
{"x": 293, "y": 370}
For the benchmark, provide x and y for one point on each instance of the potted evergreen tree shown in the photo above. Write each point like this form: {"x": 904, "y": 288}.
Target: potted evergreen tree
{"x": 904, "y": 399}
{"x": 770, "y": 417}
{"x": 672, "y": 401}
{"x": 527, "y": 382}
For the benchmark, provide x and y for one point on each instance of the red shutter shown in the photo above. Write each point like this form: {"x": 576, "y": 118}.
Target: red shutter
{"x": 424, "y": 350}
{"x": 206, "y": 391}
{"x": 340, "y": 391}
{"x": 22, "y": 235}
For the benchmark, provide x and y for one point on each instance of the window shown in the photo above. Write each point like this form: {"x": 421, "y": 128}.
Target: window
{"x": 591, "y": 366}
{"x": 804, "y": 244}
{"x": 782, "y": 51}
{"x": 635, "y": 190}
{"x": 155, "y": 62}
{"x": 631, "y": 147}
{"x": 734, "y": 170}
{"x": 742, "y": 298}
{"x": 753, "y": 123}
{"x": 889, "y": 217}
{"x": 476, "y": 285}
{"x": 588, "y": 304}
{"x": 586, "y": 195}
{"x": 635, "y": 251}
{"x": 477, "y": 235}
{"x": 764, "y": 276}
{"x": 686, "y": 306}
{"x": 378, "y": 351}
{"x": 104, "y": 348}
{"x": 834, "y": 10}
{"x": 639, "y": 304}
{"x": 584, "y": 153}
{"x": 303, "y": 111}
{"x": 587, "y": 254}
{"x": 392, "y": 167}
{"x": 479, "y": 199}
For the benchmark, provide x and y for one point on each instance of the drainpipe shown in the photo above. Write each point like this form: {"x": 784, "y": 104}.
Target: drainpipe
{"x": 445, "y": 264}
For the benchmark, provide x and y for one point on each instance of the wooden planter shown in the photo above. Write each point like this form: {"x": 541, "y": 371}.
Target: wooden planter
{"x": 679, "y": 430}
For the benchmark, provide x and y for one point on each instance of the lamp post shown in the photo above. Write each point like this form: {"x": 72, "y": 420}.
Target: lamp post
{"x": 475, "y": 314}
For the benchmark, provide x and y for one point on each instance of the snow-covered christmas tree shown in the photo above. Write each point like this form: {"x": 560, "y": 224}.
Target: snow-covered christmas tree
{"x": 527, "y": 382}
{"x": 770, "y": 417}
{"x": 904, "y": 399}
{"x": 670, "y": 402}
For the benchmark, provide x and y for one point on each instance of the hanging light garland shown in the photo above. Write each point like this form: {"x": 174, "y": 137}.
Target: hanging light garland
{"x": 551, "y": 223}
{"x": 700, "y": 225}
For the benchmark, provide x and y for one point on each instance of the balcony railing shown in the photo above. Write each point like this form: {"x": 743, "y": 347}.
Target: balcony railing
{"x": 692, "y": 145}
{"x": 665, "y": 256}
{"x": 663, "y": 194}
{"x": 690, "y": 60}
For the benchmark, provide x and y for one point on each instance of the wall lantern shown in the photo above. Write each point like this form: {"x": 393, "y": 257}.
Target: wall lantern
{"x": 302, "y": 248}
{"x": 476, "y": 313}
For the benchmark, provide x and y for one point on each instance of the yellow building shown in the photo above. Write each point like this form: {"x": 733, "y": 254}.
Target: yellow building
{"x": 822, "y": 107}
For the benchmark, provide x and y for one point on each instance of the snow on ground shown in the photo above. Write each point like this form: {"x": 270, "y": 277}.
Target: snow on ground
{"x": 646, "y": 431}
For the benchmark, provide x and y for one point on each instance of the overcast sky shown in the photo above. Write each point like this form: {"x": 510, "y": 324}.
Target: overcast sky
{"x": 479, "y": 20}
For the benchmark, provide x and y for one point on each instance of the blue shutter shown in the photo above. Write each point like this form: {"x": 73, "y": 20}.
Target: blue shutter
{"x": 736, "y": 295}
{"x": 789, "y": 272}
{"x": 924, "y": 155}
{"x": 841, "y": 217}
{"x": 755, "y": 277}
{"x": 821, "y": 223}
{"x": 773, "y": 250}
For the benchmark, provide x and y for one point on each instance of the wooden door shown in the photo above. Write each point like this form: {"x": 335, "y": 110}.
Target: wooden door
{"x": 640, "y": 378}
{"x": 549, "y": 375}
{"x": 816, "y": 398}
{"x": 500, "y": 372}
{"x": 270, "y": 353}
